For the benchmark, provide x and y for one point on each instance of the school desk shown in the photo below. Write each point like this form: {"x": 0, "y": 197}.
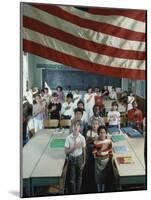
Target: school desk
{"x": 41, "y": 163}
{"x": 31, "y": 154}
{"x": 128, "y": 174}
{"x": 50, "y": 167}
{"x": 137, "y": 144}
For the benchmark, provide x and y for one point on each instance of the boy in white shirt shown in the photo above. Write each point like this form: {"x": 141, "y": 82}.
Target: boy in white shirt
{"x": 67, "y": 107}
{"x": 75, "y": 149}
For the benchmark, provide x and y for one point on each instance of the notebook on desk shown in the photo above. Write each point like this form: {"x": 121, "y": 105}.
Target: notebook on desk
{"x": 125, "y": 160}
{"x": 120, "y": 149}
{"x": 113, "y": 130}
{"x": 57, "y": 143}
{"x": 131, "y": 132}
{"x": 117, "y": 138}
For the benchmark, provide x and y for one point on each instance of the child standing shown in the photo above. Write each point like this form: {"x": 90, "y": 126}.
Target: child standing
{"x": 54, "y": 107}
{"x": 113, "y": 94}
{"x": 102, "y": 152}
{"x": 75, "y": 149}
{"x": 39, "y": 113}
{"x": 130, "y": 100}
{"x": 89, "y": 102}
{"x": 67, "y": 107}
{"x": 113, "y": 116}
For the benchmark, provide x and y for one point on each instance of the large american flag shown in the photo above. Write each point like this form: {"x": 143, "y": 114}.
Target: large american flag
{"x": 105, "y": 41}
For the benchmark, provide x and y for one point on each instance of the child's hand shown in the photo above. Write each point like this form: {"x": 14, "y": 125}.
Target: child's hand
{"x": 110, "y": 155}
{"x": 77, "y": 145}
{"x": 67, "y": 108}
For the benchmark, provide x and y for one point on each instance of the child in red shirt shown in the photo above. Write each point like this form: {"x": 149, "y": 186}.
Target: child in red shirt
{"x": 135, "y": 117}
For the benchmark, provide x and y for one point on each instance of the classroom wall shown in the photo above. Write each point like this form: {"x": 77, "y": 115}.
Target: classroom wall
{"x": 36, "y": 72}
{"x": 54, "y": 74}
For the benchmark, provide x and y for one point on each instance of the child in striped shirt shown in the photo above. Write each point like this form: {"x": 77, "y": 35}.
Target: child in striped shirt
{"x": 102, "y": 153}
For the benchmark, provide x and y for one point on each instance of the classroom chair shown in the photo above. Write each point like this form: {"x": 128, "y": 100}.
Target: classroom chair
{"x": 51, "y": 123}
{"x": 65, "y": 123}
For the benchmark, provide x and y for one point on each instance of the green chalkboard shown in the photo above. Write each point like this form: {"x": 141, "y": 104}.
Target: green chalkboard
{"x": 57, "y": 143}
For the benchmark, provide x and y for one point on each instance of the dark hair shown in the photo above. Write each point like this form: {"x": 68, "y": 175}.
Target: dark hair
{"x": 76, "y": 122}
{"x": 89, "y": 87}
{"x": 102, "y": 127}
{"x": 42, "y": 90}
{"x": 59, "y": 87}
{"x": 78, "y": 110}
{"x": 95, "y": 106}
{"x": 54, "y": 94}
{"x": 97, "y": 87}
{"x": 114, "y": 103}
{"x": 80, "y": 101}
{"x": 134, "y": 102}
{"x": 37, "y": 95}
{"x": 46, "y": 88}
{"x": 69, "y": 95}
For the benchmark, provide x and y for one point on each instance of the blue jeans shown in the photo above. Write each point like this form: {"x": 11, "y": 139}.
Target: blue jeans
{"x": 75, "y": 173}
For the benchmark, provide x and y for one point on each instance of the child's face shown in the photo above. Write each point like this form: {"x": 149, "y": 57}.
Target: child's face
{"x": 80, "y": 105}
{"x": 58, "y": 89}
{"x": 38, "y": 99}
{"x": 95, "y": 125}
{"x": 77, "y": 91}
{"x": 114, "y": 108}
{"x": 90, "y": 90}
{"x": 55, "y": 98}
{"x": 135, "y": 105}
{"x": 78, "y": 115}
{"x": 96, "y": 111}
{"x": 46, "y": 91}
{"x": 76, "y": 129}
{"x": 69, "y": 100}
{"x": 102, "y": 134}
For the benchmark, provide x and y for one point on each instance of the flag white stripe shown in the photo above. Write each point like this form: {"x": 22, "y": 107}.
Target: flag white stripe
{"x": 120, "y": 21}
{"x": 68, "y": 49}
{"x": 82, "y": 33}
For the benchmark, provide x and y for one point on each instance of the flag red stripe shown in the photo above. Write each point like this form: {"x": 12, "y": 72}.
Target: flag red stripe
{"x": 93, "y": 25}
{"x": 139, "y": 15}
{"x": 68, "y": 60}
{"x": 81, "y": 43}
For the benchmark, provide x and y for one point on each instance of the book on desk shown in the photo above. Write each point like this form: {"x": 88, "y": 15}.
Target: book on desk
{"x": 125, "y": 160}
{"x": 131, "y": 132}
{"x": 121, "y": 149}
{"x": 113, "y": 130}
{"x": 117, "y": 137}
